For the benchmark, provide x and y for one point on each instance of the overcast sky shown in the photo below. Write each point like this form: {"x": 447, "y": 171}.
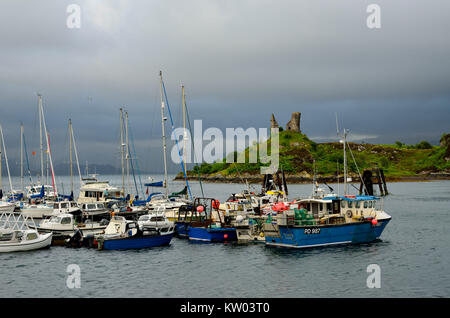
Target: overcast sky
{"x": 239, "y": 60}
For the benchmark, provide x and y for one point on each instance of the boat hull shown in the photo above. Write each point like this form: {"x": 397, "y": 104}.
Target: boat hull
{"x": 7, "y": 207}
{"x": 181, "y": 230}
{"x": 314, "y": 236}
{"x": 211, "y": 234}
{"x": 137, "y": 242}
{"x": 43, "y": 241}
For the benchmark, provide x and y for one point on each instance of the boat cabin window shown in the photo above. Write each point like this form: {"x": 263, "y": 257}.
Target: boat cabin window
{"x": 100, "y": 206}
{"x": 91, "y": 206}
{"x": 321, "y": 207}
{"x": 343, "y": 204}
{"x": 6, "y": 236}
{"x": 55, "y": 219}
{"x": 73, "y": 205}
{"x": 350, "y": 204}
{"x": 365, "y": 205}
{"x": 64, "y": 205}
{"x": 357, "y": 204}
{"x": 329, "y": 207}
{"x": 336, "y": 209}
{"x": 32, "y": 236}
{"x": 157, "y": 219}
{"x": 370, "y": 204}
{"x": 56, "y": 206}
{"x": 65, "y": 220}
{"x": 143, "y": 218}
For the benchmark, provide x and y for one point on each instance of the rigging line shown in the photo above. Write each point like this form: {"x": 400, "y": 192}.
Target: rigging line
{"x": 176, "y": 141}
{"x": 364, "y": 186}
{"x": 26, "y": 157}
{"x": 131, "y": 162}
{"x": 138, "y": 170}
{"x": 193, "y": 149}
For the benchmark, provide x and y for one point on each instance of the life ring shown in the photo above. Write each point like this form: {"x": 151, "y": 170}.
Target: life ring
{"x": 215, "y": 204}
{"x": 349, "y": 213}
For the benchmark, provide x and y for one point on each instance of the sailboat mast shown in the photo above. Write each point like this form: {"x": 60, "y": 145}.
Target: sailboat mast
{"x": 40, "y": 137}
{"x": 163, "y": 134}
{"x": 49, "y": 151}
{"x": 1, "y": 178}
{"x": 21, "y": 157}
{"x": 184, "y": 133}
{"x": 76, "y": 154}
{"x": 121, "y": 150}
{"x": 6, "y": 159}
{"x": 70, "y": 155}
{"x": 345, "y": 162}
{"x": 127, "y": 154}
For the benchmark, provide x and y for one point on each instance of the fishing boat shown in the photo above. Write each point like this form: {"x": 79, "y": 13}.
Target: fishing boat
{"x": 16, "y": 236}
{"x": 324, "y": 220}
{"x": 125, "y": 234}
{"x": 207, "y": 224}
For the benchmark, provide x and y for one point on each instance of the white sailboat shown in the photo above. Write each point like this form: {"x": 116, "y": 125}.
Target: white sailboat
{"x": 169, "y": 205}
{"x": 36, "y": 208}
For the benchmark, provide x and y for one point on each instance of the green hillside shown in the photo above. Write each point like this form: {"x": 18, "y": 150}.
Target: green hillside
{"x": 298, "y": 153}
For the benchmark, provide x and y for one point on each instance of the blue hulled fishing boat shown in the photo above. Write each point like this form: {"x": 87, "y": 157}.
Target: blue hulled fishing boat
{"x": 326, "y": 221}
{"x": 203, "y": 221}
{"x": 323, "y": 220}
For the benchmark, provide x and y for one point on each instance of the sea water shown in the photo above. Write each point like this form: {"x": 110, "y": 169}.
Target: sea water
{"x": 413, "y": 257}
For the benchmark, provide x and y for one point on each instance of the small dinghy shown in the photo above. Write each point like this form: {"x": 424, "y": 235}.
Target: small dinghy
{"x": 16, "y": 236}
{"x": 125, "y": 234}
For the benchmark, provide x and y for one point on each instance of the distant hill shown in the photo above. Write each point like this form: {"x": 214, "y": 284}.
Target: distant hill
{"x": 298, "y": 155}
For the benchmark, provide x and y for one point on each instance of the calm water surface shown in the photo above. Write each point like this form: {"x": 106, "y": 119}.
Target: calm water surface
{"x": 413, "y": 255}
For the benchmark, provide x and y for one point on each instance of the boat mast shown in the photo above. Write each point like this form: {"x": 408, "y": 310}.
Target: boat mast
{"x": 6, "y": 159}
{"x": 127, "y": 154}
{"x": 40, "y": 137}
{"x": 76, "y": 152}
{"x": 345, "y": 161}
{"x": 70, "y": 155}
{"x": 1, "y": 192}
{"x": 21, "y": 156}
{"x": 48, "y": 150}
{"x": 121, "y": 150}
{"x": 163, "y": 133}
{"x": 184, "y": 135}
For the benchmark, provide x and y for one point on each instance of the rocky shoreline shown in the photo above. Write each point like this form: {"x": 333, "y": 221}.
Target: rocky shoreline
{"x": 306, "y": 178}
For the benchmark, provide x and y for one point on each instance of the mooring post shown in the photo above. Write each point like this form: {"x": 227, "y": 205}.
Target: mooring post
{"x": 384, "y": 182}
{"x": 379, "y": 182}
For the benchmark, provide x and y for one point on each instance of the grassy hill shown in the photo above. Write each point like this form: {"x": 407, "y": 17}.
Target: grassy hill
{"x": 298, "y": 155}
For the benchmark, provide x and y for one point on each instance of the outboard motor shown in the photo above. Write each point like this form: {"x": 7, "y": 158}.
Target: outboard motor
{"x": 75, "y": 240}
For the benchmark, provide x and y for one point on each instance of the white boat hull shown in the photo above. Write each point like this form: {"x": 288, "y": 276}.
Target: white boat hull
{"x": 44, "y": 240}
{"x": 7, "y": 208}
{"x": 36, "y": 213}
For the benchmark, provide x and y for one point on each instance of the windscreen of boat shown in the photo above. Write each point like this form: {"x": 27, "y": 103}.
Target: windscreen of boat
{"x": 32, "y": 236}
{"x": 157, "y": 219}
{"x": 55, "y": 219}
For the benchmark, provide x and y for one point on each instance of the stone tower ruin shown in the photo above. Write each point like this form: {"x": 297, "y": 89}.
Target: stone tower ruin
{"x": 294, "y": 123}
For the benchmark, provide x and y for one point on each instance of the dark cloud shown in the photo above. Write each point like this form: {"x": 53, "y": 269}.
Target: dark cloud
{"x": 239, "y": 60}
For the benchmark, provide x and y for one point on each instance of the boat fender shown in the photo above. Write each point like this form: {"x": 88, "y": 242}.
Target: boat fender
{"x": 349, "y": 213}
